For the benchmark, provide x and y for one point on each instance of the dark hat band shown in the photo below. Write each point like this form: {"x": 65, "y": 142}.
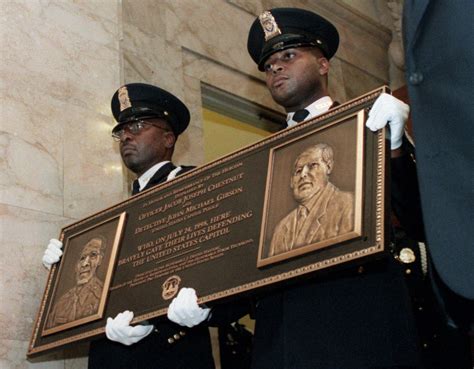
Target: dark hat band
{"x": 133, "y": 119}
{"x": 135, "y": 112}
{"x": 170, "y": 120}
{"x": 287, "y": 41}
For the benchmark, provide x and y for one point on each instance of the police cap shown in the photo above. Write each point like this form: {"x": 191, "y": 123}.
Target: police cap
{"x": 141, "y": 101}
{"x": 283, "y": 28}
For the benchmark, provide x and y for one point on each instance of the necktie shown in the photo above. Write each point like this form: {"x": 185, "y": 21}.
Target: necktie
{"x": 302, "y": 214}
{"x": 135, "y": 187}
{"x": 300, "y": 115}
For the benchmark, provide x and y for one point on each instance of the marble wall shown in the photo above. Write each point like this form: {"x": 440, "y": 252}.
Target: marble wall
{"x": 60, "y": 63}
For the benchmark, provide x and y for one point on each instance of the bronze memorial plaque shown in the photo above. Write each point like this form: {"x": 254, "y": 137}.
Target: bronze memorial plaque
{"x": 246, "y": 221}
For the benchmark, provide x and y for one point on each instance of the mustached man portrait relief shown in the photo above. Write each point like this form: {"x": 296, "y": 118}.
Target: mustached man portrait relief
{"x": 83, "y": 299}
{"x": 323, "y": 211}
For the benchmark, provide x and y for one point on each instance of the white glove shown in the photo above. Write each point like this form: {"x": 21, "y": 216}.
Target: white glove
{"x": 53, "y": 253}
{"x": 184, "y": 309}
{"x": 120, "y": 330}
{"x": 388, "y": 109}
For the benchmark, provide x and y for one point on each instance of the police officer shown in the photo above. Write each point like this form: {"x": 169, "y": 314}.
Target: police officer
{"x": 360, "y": 318}
{"x": 149, "y": 121}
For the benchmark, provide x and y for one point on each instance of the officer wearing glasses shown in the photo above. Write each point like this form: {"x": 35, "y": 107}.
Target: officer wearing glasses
{"x": 149, "y": 121}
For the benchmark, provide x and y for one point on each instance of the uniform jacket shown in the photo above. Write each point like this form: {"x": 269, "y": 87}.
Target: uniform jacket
{"x": 170, "y": 346}
{"x": 330, "y": 215}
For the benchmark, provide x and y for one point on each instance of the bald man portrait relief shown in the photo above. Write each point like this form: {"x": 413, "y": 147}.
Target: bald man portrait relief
{"x": 83, "y": 299}
{"x": 323, "y": 210}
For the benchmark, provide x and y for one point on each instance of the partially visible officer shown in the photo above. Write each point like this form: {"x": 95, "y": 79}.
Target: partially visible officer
{"x": 443, "y": 117}
{"x": 149, "y": 120}
{"x": 360, "y": 317}
{"x": 440, "y": 79}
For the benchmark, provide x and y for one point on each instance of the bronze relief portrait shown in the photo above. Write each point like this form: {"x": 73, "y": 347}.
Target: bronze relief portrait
{"x": 86, "y": 268}
{"x": 314, "y": 192}
{"x": 83, "y": 299}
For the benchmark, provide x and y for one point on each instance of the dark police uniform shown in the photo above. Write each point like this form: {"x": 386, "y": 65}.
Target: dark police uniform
{"x": 169, "y": 346}
{"x": 362, "y": 317}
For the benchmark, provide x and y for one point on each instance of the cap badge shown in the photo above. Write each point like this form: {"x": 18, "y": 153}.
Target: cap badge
{"x": 123, "y": 98}
{"x": 269, "y": 25}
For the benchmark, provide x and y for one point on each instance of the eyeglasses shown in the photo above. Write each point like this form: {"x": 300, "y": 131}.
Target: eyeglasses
{"x": 134, "y": 128}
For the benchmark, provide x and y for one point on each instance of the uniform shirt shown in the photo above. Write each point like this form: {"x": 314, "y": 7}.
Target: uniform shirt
{"x": 318, "y": 107}
{"x": 145, "y": 177}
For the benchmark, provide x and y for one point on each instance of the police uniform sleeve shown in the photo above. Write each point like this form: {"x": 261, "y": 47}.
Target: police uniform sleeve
{"x": 405, "y": 193}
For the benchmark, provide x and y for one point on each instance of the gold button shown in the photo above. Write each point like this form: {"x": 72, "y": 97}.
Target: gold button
{"x": 408, "y": 271}
{"x": 176, "y": 336}
{"x": 182, "y": 333}
{"x": 407, "y": 256}
{"x": 360, "y": 270}
{"x": 170, "y": 340}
